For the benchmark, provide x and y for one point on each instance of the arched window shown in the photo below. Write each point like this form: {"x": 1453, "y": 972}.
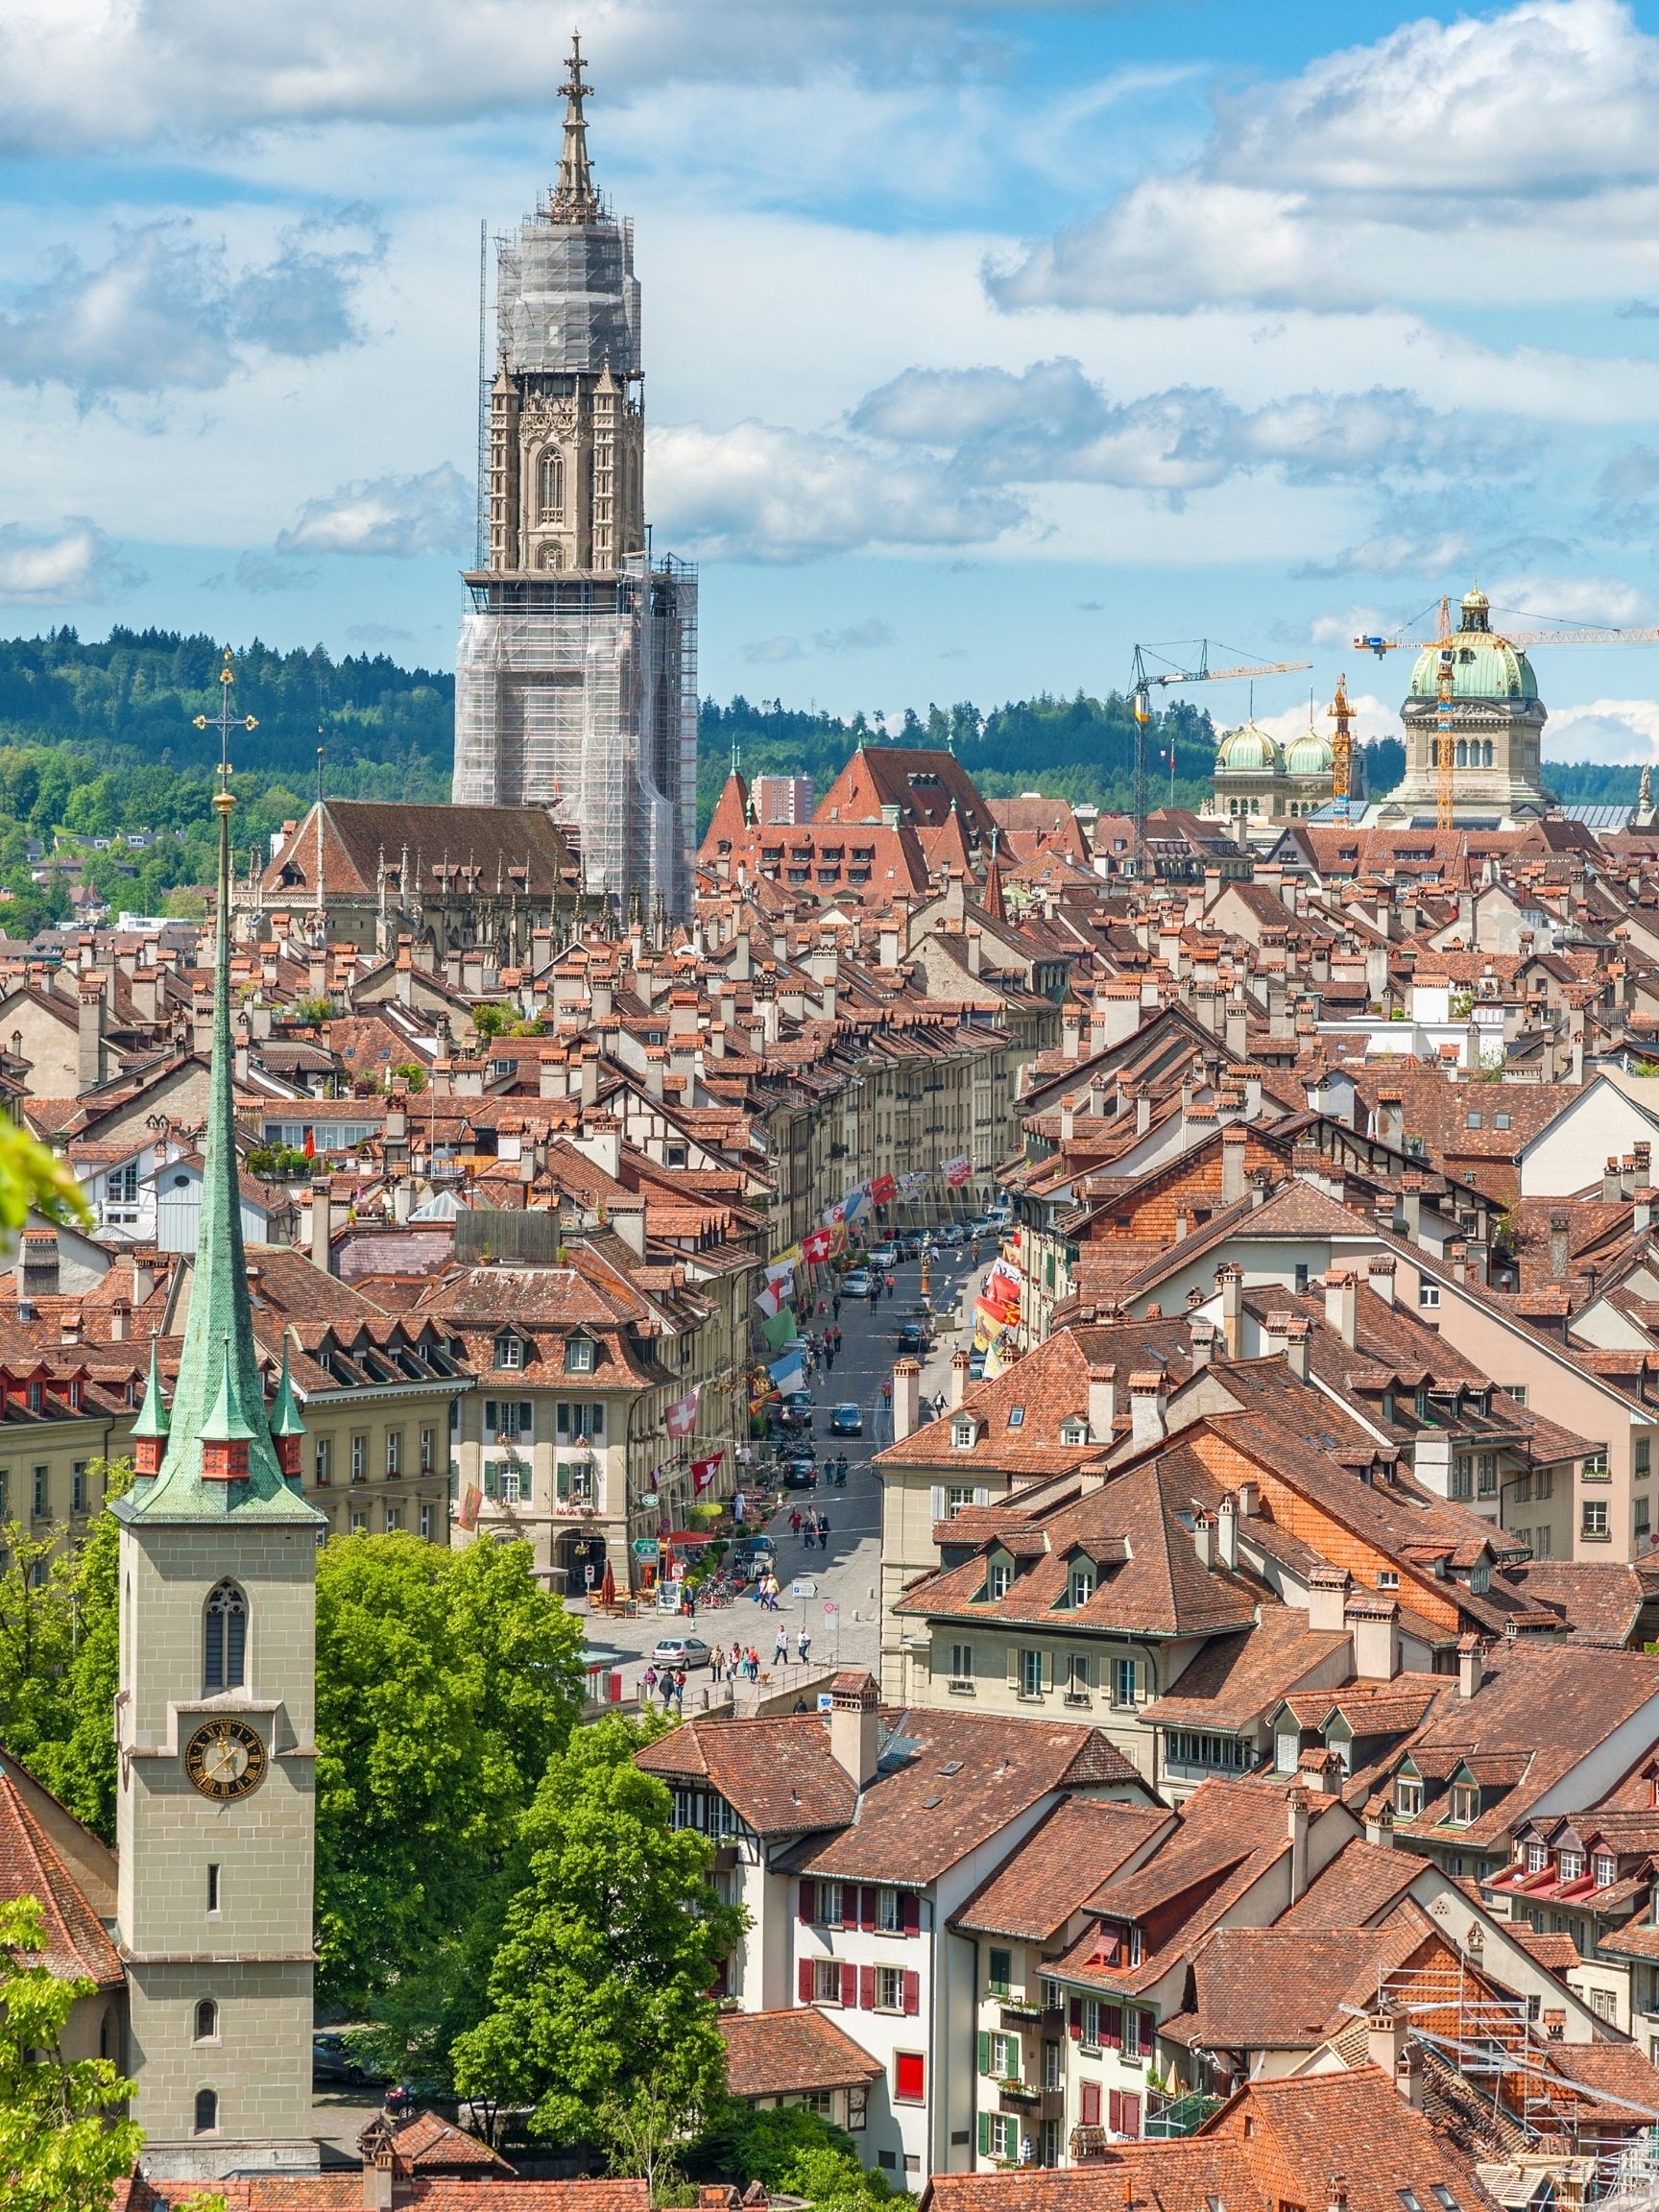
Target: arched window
{"x": 1462, "y": 754}
{"x": 550, "y": 488}
{"x": 207, "y": 2021}
{"x": 206, "y": 2111}
{"x": 552, "y": 556}
{"x": 224, "y": 1640}
{"x": 1488, "y": 749}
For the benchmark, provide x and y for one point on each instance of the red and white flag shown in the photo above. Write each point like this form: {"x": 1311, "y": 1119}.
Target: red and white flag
{"x": 883, "y": 1190}
{"x": 815, "y": 1247}
{"x": 959, "y": 1170}
{"x": 704, "y": 1471}
{"x": 681, "y": 1418}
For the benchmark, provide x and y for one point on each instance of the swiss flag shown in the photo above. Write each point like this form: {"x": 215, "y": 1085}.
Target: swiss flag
{"x": 704, "y": 1472}
{"x": 815, "y": 1247}
{"x": 681, "y": 1418}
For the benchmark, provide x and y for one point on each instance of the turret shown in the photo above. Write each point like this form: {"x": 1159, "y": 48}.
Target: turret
{"x": 150, "y": 1430}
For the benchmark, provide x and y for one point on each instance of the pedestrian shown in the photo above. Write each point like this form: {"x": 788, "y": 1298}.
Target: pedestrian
{"x": 736, "y": 1667}
{"x": 892, "y": 1281}
{"x": 794, "y": 1520}
{"x": 875, "y": 1294}
{"x": 888, "y": 1393}
{"x": 680, "y": 1689}
{"x": 718, "y": 1664}
{"x": 823, "y": 1534}
{"x": 781, "y": 1650}
{"x": 754, "y": 1663}
{"x": 841, "y": 1471}
{"x": 689, "y": 1604}
{"x": 739, "y": 1509}
{"x": 666, "y": 1685}
{"x": 648, "y": 1684}
{"x": 835, "y": 1309}
{"x": 822, "y": 1309}
{"x": 804, "y": 1644}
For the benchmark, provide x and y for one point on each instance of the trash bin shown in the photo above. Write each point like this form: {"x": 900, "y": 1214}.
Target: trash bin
{"x": 614, "y": 1687}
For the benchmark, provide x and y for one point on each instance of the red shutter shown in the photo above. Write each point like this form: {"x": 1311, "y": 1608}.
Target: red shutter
{"x": 1114, "y": 2111}
{"x": 912, "y": 1991}
{"x": 1131, "y": 2113}
{"x": 1089, "y": 2103}
{"x": 808, "y": 1903}
{"x": 1112, "y": 2027}
{"x": 804, "y": 1982}
{"x": 867, "y": 1910}
{"x": 866, "y": 1988}
{"x": 909, "y": 1911}
{"x": 1076, "y": 2020}
{"x": 848, "y": 1984}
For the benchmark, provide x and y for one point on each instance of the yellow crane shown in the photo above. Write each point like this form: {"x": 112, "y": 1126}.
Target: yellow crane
{"x": 1476, "y": 613}
{"x": 1140, "y": 686}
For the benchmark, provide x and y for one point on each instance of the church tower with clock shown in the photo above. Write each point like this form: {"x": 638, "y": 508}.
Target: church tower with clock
{"x": 214, "y": 1715}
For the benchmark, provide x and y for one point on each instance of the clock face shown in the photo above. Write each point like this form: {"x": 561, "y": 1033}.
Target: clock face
{"x": 225, "y": 1760}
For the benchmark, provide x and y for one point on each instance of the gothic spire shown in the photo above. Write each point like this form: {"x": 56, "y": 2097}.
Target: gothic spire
{"x": 219, "y": 1398}
{"x": 574, "y": 199}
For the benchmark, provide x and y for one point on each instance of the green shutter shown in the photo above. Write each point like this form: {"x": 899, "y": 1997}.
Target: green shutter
{"x": 984, "y": 2053}
{"x": 984, "y": 2130}
{"x": 563, "y": 1479}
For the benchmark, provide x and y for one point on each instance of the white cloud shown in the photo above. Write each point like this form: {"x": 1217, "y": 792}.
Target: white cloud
{"x": 71, "y": 568}
{"x": 1401, "y": 551}
{"x": 402, "y": 515}
{"x": 1370, "y": 719}
{"x": 856, "y": 638}
{"x": 763, "y": 651}
{"x": 1526, "y": 140}
{"x": 1609, "y": 730}
{"x": 759, "y": 493}
{"x": 166, "y": 310}
{"x": 1604, "y": 602}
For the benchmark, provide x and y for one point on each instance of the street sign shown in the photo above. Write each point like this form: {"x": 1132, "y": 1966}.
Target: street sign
{"x": 832, "y": 1611}
{"x": 802, "y": 1587}
{"x": 647, "y": 1547}
{"x": 589, "y": 1575}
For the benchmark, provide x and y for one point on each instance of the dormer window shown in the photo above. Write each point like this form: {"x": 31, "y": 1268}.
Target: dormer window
{"x": 1605, "y": 1868}
{"x": 1000, "y": 1579}
{"x": 1388, "y": 1407}
{"x": 1465, "y": 1804}
{"x": 1073, "y": 1433}
{"x": 1570, "y": 1867}
{"x": 1407, "y": 1796}
{"x": 962, "y": 1435}
{"x": 1082, "y": 1585}
{"x": 579, "y": 1354}
{"x": 509, "y": 1350}
{"x": 1537, "y": 1859}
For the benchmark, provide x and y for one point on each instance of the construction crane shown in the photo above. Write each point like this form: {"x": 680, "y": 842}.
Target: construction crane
{"x": 1342, "y": 748}
{"x": 1445, "y": 642}
{"x": 1141, "y": 688}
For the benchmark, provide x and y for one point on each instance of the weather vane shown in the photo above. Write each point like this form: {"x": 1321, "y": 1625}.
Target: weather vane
{"x": 225, "y": 722}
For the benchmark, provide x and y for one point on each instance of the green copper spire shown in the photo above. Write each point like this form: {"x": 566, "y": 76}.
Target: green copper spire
{"x": 286, "y": 1418}
{"x": 218, "y": 1394}
{"x": 152, "y": 1418}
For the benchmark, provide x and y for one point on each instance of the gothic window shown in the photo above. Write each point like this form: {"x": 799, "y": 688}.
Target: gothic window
{"x": 550, "y": 488}
{"x": 207, "y": 2021}
{"x": 206, "y": 2111}
{"x": 552, "y": 556}
{"x": 224, "y": 1640}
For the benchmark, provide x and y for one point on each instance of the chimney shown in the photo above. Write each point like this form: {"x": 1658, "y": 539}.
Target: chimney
{"x": 906, "y": 1391}
{"x": 1342, "y": 1303}
{"x": 1385, "y": 2039}
{"x": 961, "y": 1366}
{"x": 379, "y": 2180}
{"x": 143, "y": 1278}
{"x": 1204, "y": 1539}
{"x": 1328, "y": 1589}
{"x": 322, "y": 1224}
{"x": 1471, "y": 1666}
{"x": 1380, "y": 1829}
{"x": 120, "y": 1321}
{"x": 1232, "y": 1282}
{"x": 1380, "y": 1271}
{"x": 1146, "y": 1407}
{"x": 1203, "y": 1335}
{"x": 1249, "y": 1499}
{"x": 854, "y": 1726}
{"x": 39, "y": 1263}
{"x": 1233, "y": 1143}
{"x": 1296, "y": 1821}
{"x": 1641, "y": 1210}
{"x": 1374, "y": 1625}
{"x": 1227, "y": 1533}
{"x": 1297, "y": 1337}
{"x": 629, "y": 1223}
{"x": 1102, "y": 1406}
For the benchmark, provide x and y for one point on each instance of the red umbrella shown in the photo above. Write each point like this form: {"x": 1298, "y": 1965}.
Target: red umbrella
{"x": 608, "y": 1588}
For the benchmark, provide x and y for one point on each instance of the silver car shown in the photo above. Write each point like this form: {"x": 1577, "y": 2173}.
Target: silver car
{"x": 681, "y": 1651}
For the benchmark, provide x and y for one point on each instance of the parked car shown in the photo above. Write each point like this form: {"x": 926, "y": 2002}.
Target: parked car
{"x": 800, "y": 1471}
{"x": 754, "y": 1555}
{"x": 334, "y": 2066}
{"x": 952, "y": 1233}
{"x": 913, "y": 1339}
{"x": 910, "y": 1244}
{"x": 846, "y": 1420}
{"x": 680, "y": 1651}
{"x": 885, "y": 1256}
{"x": 855, "y": 1283}
{"x": 982, "y": 1226}
{"x": 797, "y": 1410}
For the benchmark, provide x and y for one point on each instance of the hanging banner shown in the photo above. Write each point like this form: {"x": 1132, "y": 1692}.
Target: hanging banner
{"x": 681, "y": 1418}
{"x": 470, "y": 1500}
{"x": 786, "y": 1263}
{"x": 883, "y": 1190}
{"x": 774, "y": 1298}
{"x": 912, "y": 1185}
{"x": 835, "y": 1216}
{"x": 787, "y": 1373}
{"x": 781, "y": 1329}
{"x": 704, "y": 1471}
{"x": 958, "y": 1172}
{"x": 855, "y": 1203}
{"x": 815, "y": 1248}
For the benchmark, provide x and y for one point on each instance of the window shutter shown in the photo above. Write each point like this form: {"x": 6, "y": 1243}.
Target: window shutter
{"x": 984, "y": 2052}
{"x": 848, "y": 1984}
{"x": 909, "y": 1913}
{"x": 1075, "y": 2020}
{"x": 936, "y": 1496}
{"x": 808, "y": 1903}
{"x": 982, "y": 1496}
{"x": 1131, "y": 2113}
{"x": 1013, "y": 1668}
{"x": 804, "y": 1982}
{"x": 984, "y": 2134}
{"x": 866, "y": 1988}
{"x": 1089, "y": 2103}
{"x": 1112, "y": 2027}
{"x": 1048, "y": 1670}
{"x": 526, "y": 1417}
{"x": 1114, "y": 2111}
{"x": 562, "y": 1483}
{"x": 867, "y": 1910}
{"x": 912, "y": 1992}
{"x": 489, "y": 1413}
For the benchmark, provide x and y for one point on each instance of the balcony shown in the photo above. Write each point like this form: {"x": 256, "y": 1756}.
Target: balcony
{"x": 1016, "y": 2013}
{"x": 1018, "y": 2096}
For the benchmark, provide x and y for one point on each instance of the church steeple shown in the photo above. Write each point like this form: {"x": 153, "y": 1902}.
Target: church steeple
{"x": 574, "y": 199}
{"x": 219, "y": 1367}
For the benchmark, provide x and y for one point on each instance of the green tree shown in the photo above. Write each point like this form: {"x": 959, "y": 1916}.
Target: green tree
{"x": 61, "y": 2149}
{"x": 600, "y": 2017}
{"x": 77, "y": 1761}
{"x": 445, "y": 1682}
{"x": 490, "y": 1020}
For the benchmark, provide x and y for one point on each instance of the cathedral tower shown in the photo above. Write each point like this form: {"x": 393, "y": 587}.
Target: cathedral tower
{"x": 214, "y": 1717}
{"x": 576, "y": 679}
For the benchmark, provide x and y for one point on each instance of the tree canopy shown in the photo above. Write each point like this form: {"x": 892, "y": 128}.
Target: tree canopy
{"x": 62, "y": 2148}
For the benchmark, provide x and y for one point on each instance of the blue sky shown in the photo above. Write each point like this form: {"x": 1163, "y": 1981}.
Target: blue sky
{"x": 981, "y": 341}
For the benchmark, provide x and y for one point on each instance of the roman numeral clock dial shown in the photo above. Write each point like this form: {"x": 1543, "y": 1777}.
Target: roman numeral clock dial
{"x": 225, "y": 1760}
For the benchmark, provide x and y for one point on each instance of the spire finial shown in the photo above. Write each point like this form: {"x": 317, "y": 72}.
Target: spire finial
{"x": 574, "y": 199}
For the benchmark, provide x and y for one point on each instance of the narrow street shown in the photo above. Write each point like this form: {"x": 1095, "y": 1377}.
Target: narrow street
{"x": 833, "y": 1594}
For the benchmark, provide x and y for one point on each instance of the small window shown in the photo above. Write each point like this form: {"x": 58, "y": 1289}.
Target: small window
{"x": 212, "y": 1888}
{"x": 1500, "y": 1121}
{"x": 1570, "y": 1867}
{"x": 579, "y": 1356}
{"x": 999, "y": 1972}
{"x": 1605, "y": 1868}
{"x": 1643, "y": 1461}
{"x": 393, "y": 1450}
{"x": 1537, "y": 1858}
{"x": 1595, "y": 1520}
{"x": 1015, "y": 1416}
{"x": 962, "y": 1435}
{"x": 890, "y": 1910}
{"x": 1124, "y": 1681}
{"x": 206, "y": 2111}
{"x": 1082, "y": 1585}
{"x": 322, "y": 1459}
{"x": 1427, "y": 1294}
{"x": 1030, "y": 1673}
{"x": 999, "y": 1578}
{"x": 1407, "y": 1796}
{"x": 826, "y": 1981}
{"x": 207, "y": 2021}
{"x": 890, "y": 1989}
{"x": 224, "y": 1640}
{"x": 1471, "y": 1121}
{"x": 1465, "y": 1804}
{"x": 510, "y": 1351}
{"x": 1073, "y": 1434}
{"x": 1287, "y": 1750}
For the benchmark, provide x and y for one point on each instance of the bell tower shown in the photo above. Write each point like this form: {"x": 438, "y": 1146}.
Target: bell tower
{"x": 215, "y": 1712}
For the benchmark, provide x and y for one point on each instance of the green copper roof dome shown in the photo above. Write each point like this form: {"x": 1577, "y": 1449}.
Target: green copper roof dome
{"x": 1483, "y": 666}
{"x": 1310, "y": 755}
{"x": 1249, "y": 751}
